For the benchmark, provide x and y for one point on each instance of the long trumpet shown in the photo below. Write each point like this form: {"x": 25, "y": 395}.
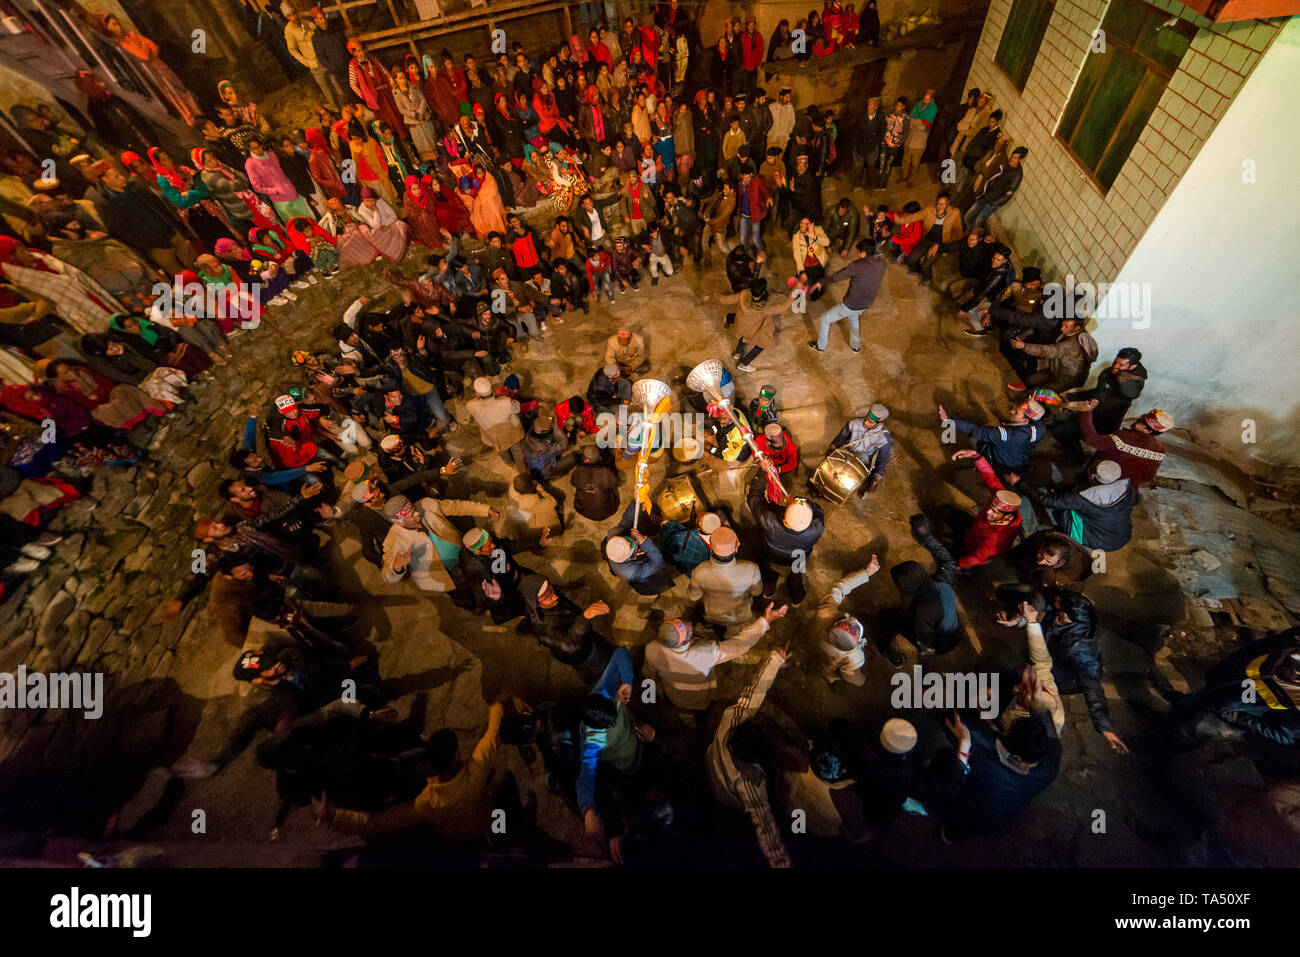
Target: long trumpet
{"x": 707, "y": 378}
{"x": 656, "y": 399}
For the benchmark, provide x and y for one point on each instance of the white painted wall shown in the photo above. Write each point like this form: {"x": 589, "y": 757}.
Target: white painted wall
{"x": 1223, "y": 260}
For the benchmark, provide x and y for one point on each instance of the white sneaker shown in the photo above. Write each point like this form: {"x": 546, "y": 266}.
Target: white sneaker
{"x": 312, "y": 279}
{"x": 23, "y": 566}
{"x": 291, "y": 296}
{"x": 279, "y": 300}
{"x": 301, "y": 284}
{"x": 744, "y": 368}
{"x": 38, "y": 552}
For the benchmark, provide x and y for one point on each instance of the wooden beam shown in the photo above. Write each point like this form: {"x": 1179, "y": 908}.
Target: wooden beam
{"x": 469, "y": 17}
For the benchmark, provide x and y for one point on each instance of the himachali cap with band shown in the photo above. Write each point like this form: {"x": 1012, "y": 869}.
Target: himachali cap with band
{"x": 877, "y": 413}
{"x": 475, "y": 539}
{"x": 674, "y": 633}
{"x": 1005, "y": 501}
{"x": 390, "y": 443}
{"x": 1033, "y": 409}
{"x": 1158, "y": 420}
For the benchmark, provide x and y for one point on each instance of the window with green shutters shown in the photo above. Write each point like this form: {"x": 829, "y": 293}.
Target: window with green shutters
{"x": 1021, "y": 38}
{"x": 1118, "y": 88}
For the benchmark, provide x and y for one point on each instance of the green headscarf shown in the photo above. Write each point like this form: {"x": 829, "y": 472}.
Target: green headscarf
{"x": 148, "y": 331}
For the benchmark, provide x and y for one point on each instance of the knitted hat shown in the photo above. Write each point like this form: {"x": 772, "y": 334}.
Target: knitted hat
{"x": 475, "y": 539}
{"x": 723, "y": 543}
{"x": 898, "y": 736}
{"x": 1005, "y": 501}
{"x": 1158, "y": 420}
{"x": 798, "y": 515}
{"x": 619, "y": 549}
{"x": 483, "y": 387}
{"x": 1108, "y": 471}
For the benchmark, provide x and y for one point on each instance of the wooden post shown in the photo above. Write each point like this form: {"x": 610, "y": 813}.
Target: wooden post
{"x": 568, "y": 23}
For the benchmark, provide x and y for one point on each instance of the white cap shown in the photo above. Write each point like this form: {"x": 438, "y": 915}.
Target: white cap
{"x": 389, "y": 442}
{"x": 709, "y": 523}
{"x": 483, "y": 387}
{"x": 898, "y": 736}
{"x": 1033, "y": 409}
{"x": 798, "y": 515}
{"x": 285, "y": 402}
{"x": 1108, "y": 471}
{"x": 618, "y": 549}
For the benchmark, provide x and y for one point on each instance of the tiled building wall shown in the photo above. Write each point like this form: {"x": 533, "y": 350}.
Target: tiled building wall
{"x": 1060, "y": 219}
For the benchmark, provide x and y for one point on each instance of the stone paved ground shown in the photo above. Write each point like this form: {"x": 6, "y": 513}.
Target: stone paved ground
{"x": 1168, "y": 608}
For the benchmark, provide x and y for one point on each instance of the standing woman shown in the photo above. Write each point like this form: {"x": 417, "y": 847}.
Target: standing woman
{"x": 230, "y": 189}
{"x": 320, "y": 164}
{"x": 869, "y": 25}
{"x": 720, "y": 67}
{"x": 684, "y": 141}
{"x": 812, "y": 251}
{"x": 146, "y": 51}
{"x": 661, "y": 129}
{"x": 591, "y": 121}
{"x": 452, "y": 213}
{"x": 414, "y": 107}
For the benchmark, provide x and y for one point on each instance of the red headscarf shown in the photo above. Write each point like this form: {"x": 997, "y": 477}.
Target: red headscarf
{"x": 172, "y": 175}
{"x": 9, "y": 246}
{"x": 129, "y": 157}
{"x": 196, "y": 156}
{"x": 315, "y": 138}
{"x": 422, "y": 201}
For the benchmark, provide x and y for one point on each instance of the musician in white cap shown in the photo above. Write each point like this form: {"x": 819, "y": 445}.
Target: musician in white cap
{"x": 685, "y": 663}
{"x": 871, "y": 441}
{"x": 685, "y": 545}
{"x": 787, "y": 534}
{"x": 1100, "y": 517}
{"x": 498, "y": 422}
{"x": 841, "y": 638}
{"x": 637, "y": 560}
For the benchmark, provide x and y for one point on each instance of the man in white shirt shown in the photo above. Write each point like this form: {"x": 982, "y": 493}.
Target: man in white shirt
{"x": 684, "y": 664}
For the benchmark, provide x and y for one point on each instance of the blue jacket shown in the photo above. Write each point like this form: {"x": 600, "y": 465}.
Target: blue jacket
{"x": 1007, "y": 447}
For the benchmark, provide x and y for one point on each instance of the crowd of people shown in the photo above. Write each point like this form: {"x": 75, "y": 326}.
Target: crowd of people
{"x": 634, "y": 151}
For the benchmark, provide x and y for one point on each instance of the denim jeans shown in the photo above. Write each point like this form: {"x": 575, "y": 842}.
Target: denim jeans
{"x": 750, "y": 232}
{"x": 979, "y": 214}
{"x": 433, "y": 402}
{"x": 834, "y": 315}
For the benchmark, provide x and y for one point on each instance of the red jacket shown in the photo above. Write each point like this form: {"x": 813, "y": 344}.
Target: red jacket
{"x": 1138, "y": 455}
{"x": 606, "y": 262}
{"x": 290, "y": 441}
{"x": 786, "y": 459}
{"x": 758, "y": 197}
{"x": 985, "y": 541}
{"x": 562, "y": 415}
{"x": 751, "y": 50}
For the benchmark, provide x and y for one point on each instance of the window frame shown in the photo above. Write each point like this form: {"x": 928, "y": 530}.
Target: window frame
{"x": 1115, "y": 47}
{"x": 1019, "y": 82}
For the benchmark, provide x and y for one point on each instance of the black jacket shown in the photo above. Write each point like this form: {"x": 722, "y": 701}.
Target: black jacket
{"x": 779, "y": 543}
{"x": 1076, "y": 660}
{"x": 1104, "y": 527}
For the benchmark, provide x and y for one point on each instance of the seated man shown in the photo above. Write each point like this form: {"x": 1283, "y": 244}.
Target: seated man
{"x": 870, "y": 440}
{"x": 627, "y": 350}
{"x": 609, "y": 389}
